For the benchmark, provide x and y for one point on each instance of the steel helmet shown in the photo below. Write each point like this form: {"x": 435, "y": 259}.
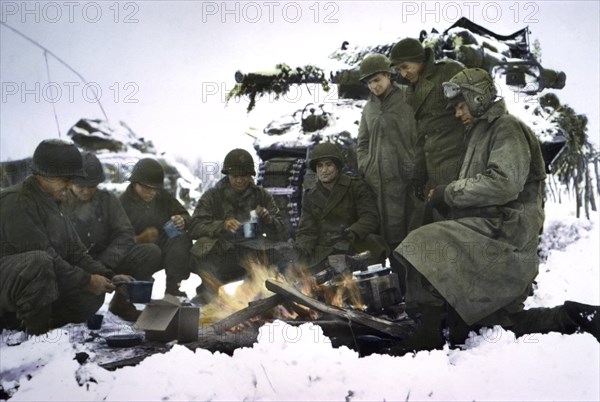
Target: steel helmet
{"x": 474, "y": 86}
{"x": 373, "y": 64}
{"x": 238, "y": 162}
{"x": 57, "y": 158}
{"x": 326, "y": 150}
{"x": 94, "y": 172}
{"x": 148, "y": 172}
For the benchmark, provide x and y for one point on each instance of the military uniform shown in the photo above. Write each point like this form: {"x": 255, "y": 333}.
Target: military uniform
{"x": 440, "y": 138}
{"x": 386, "y": 152}
{"x": 107, "y": 234}
{"x": 142, "y": 215}
{"x": 338, "y": 221}
{"x": 496, "y": 215}
{"x": 43, "y": 264}
{"x": 483, "y": 260}
{"x": 219, "y": 254}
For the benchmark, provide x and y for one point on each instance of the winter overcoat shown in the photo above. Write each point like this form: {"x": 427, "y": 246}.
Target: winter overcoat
{"x": 485, "y": 257}
{"x": 221, "y": 203}
{"x": 440, "y": 135}
{"x": 31, "y": 221}
{"x": 103, "y": 227}
{"x": 327, "y": 215}
{"x": 386, "y": 152}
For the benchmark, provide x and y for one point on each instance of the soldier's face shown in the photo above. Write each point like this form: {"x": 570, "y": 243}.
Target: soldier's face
{"x": 240, "y": 183}
{"x": 56, "y": 187}
{"x": 410, "y": 70}
{"x": 83, "y": 193}
{"x": 146, "y": 193}
{"x": 463, "y": 113}
{"x": 327, "y": 171}
{"x": 380, "y": 84}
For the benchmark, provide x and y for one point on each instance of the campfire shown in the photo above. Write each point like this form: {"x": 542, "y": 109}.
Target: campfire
{"x": 348, "y": 293}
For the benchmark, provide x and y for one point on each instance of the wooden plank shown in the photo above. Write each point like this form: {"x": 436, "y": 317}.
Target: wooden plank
{"x": 253, "y": 309}
{"x": 398, "y": 330}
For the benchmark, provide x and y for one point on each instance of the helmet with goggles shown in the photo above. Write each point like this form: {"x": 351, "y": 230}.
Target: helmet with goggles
{"x": 472, "y": 85}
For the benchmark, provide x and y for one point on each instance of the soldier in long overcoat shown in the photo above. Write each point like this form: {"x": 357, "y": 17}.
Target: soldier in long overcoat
{"x": 338, "y": 214}
{"x": 226, "y": 233}
{"x": 106, "y": 232}
{"x": 151, "y": 209}
{"x": 482, "y": 261}
{"x": 386, "y": 149}
{"x": 440, "y": 138}
{"x": 47, "y": 278}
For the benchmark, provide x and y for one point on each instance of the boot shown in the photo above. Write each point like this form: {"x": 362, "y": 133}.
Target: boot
{"x": 173, "y": 289}
{"x": 204, "y": 295}
{"x": 40, "y": 321}
{"x": 122, "y": 307}
{"x": 428, "y": 334}
{"x": 585, "y": 316}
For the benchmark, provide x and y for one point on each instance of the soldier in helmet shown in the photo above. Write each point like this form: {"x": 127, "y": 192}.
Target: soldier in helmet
{"x": 476, "y": 268}
{"x": 107, "y": 234}
{"x": 157, "y": 217}
{"x": 386, "y": 153}
{"x": 439, "y": 135}
{"x": 47, "y": 278}
{"x": 338, "y": 214}
{"x": 233, "y": 221}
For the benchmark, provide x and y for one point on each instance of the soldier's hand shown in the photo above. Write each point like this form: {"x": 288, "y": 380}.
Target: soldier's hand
{"x": 263, "y": 214}
{"x": 350, "y": 235}
{"x": 430, "y": 194}
{"x": 178, "y": 221}
{"x": 122, "y": 278}
{"x": 148, "y": 235}
{"x": 98, "y": 285}
{"x": 436, "y": 199}
{"x": 231, "y": 225}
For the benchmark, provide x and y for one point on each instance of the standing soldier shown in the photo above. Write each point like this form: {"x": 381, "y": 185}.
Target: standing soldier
{"x": 105, "y": 230}
{"x": 157, "y": 217}
{"x": 440, "y": 138}
{"x": 47, "y": 279}
{"x": 386, "y": 152}
{"x": 338, "y": 213}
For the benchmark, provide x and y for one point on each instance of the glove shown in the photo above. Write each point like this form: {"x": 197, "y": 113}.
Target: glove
{"x": 437, "y": 201}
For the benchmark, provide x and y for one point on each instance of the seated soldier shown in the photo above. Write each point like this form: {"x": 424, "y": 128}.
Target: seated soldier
{"x": 47, "y": 278}
{"x": 233, "y": 222}
{"x": 157, "y": 217}
{"x": 339, "y": 214}
{"x": 476, "y": 268}
{"x": 105, "y": 230}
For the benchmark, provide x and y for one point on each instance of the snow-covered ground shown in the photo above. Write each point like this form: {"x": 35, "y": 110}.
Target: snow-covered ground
{"x": 299, "y": 363}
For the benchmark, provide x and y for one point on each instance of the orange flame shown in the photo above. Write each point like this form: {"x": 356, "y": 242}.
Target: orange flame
{"x": 343, "y": 291}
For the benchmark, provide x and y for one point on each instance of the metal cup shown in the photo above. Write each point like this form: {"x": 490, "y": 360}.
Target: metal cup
{"x": 171, "y": 230}
{"x": 95, "y": 321}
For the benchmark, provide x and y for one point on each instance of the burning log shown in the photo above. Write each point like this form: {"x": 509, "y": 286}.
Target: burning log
{"x": 397, "y": 330}
{"x": 253, "y": 309}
